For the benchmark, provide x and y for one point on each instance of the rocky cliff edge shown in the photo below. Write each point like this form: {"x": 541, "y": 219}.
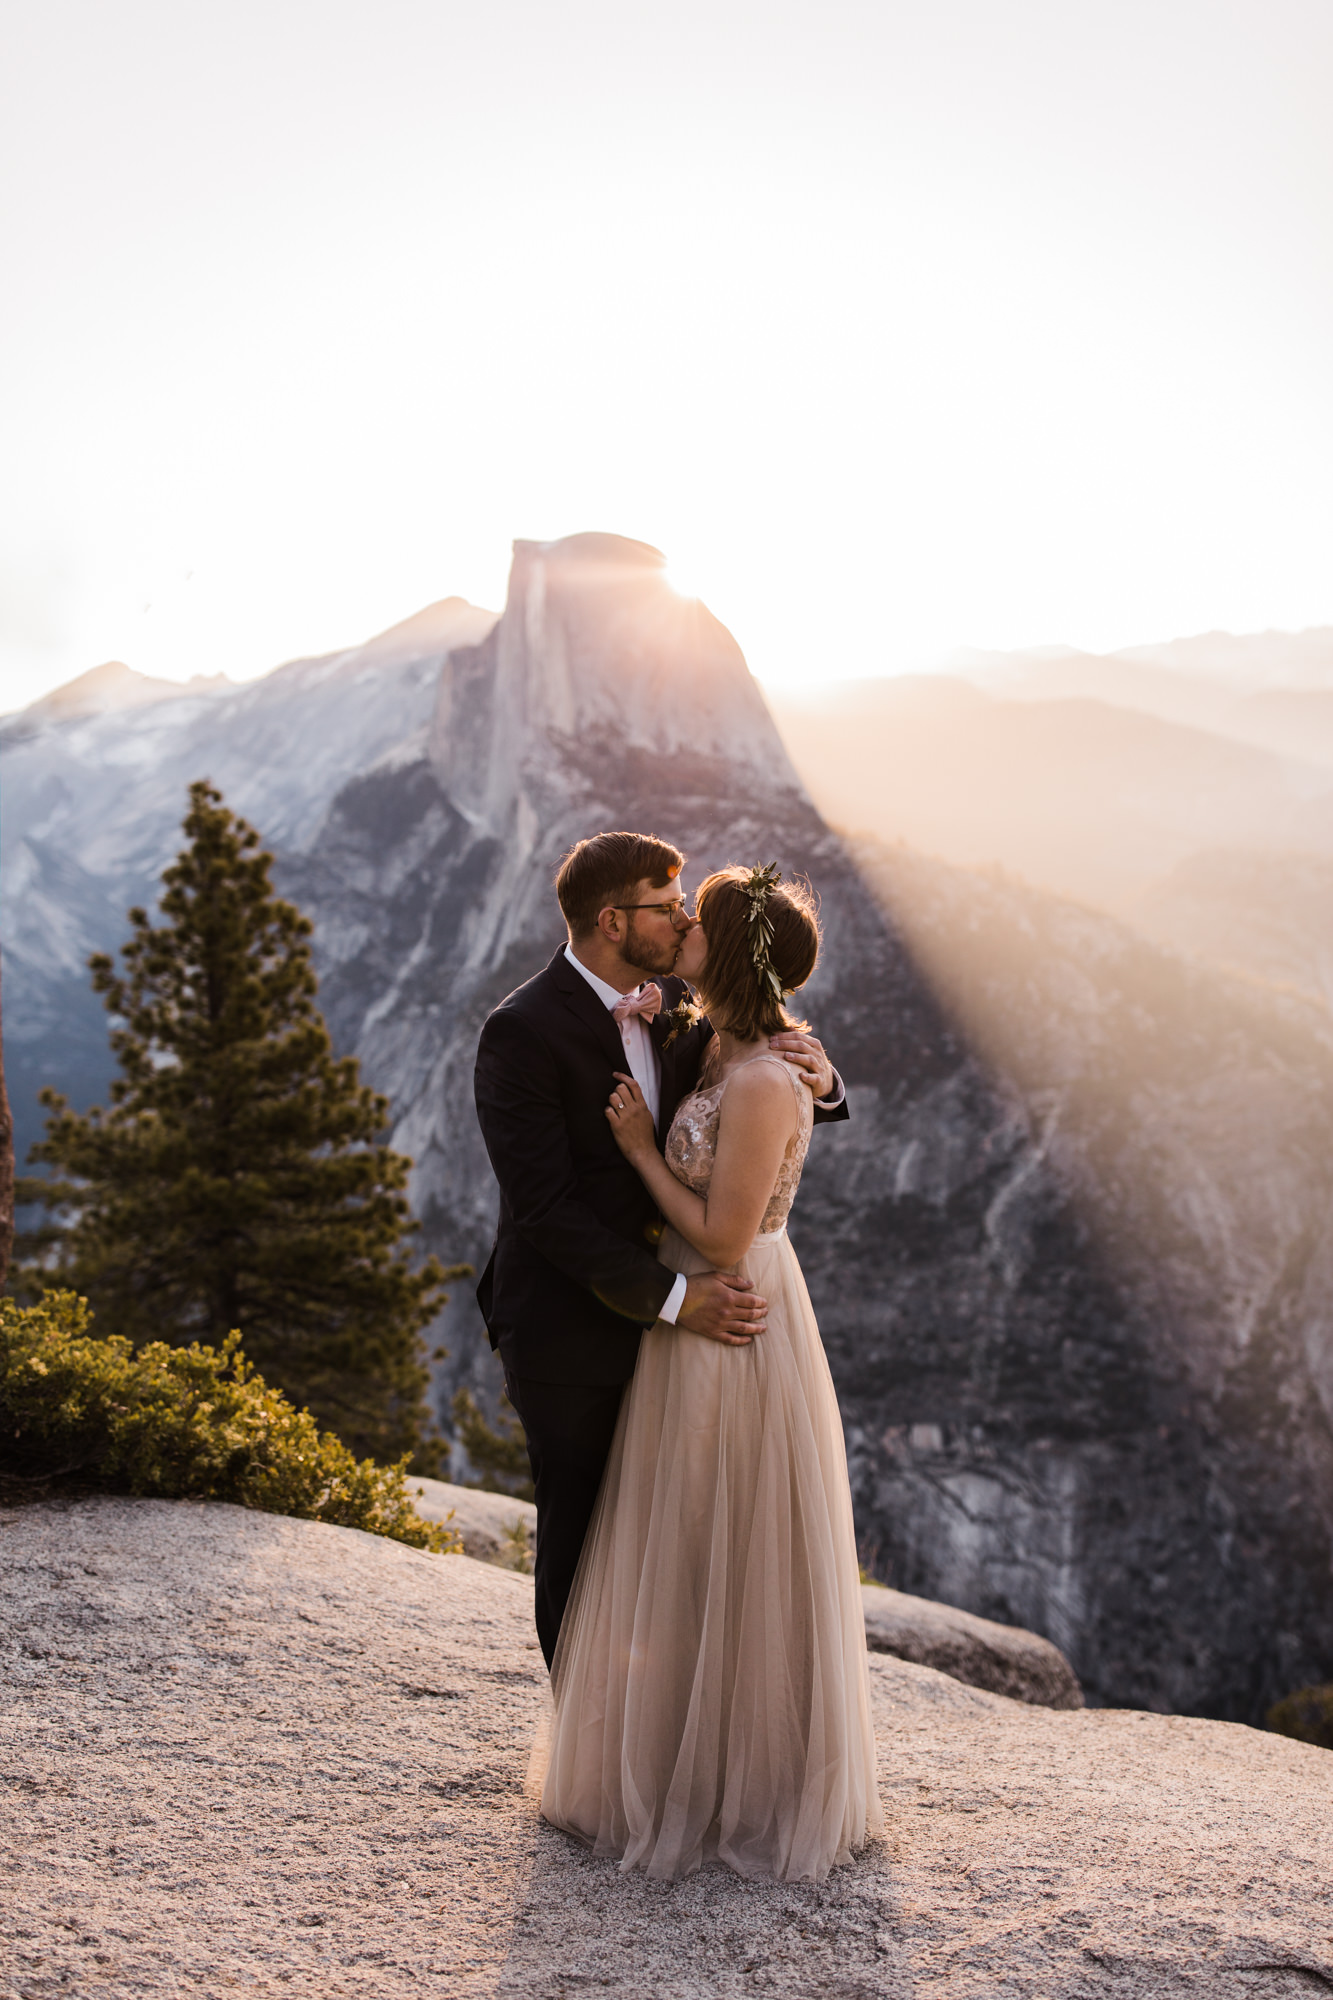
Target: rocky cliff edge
{"x": 248, "y": 1753}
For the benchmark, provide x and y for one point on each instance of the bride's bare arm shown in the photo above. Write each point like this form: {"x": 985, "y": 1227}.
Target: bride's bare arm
{"x": 758, "y": 1117}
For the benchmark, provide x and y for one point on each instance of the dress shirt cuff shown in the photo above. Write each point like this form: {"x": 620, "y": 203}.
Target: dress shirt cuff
{"x": 835, "y": 1096}
{"x": 675, "y": 1300}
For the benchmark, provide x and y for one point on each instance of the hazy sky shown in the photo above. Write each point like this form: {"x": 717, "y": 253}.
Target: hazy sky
{"x": 898, "y": 327}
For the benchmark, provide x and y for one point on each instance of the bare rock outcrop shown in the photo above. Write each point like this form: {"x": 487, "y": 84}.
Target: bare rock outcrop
{"x": 497, "y": 1528}
{"x": 242, "y": 1753}
{"x": 1003, "y": 1658}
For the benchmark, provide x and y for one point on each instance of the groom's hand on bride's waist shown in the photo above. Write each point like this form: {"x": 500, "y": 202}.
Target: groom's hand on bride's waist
{"x": 723, "y": 1307}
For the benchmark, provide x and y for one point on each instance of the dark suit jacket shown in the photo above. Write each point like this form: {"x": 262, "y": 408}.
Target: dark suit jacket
{"x": 573, "y": 1277}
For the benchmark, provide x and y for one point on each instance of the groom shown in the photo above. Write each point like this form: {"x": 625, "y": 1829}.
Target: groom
{"x": 573, "y": 1279}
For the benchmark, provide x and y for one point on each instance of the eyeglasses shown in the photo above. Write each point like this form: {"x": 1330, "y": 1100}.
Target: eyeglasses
{"x": 675, "y": 911}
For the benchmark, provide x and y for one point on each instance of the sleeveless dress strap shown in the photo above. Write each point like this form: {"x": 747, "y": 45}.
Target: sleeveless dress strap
{"x": 789, "y": 1069}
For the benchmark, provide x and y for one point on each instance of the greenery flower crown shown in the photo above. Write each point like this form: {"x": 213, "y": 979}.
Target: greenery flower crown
{"x": 759, "y": 886}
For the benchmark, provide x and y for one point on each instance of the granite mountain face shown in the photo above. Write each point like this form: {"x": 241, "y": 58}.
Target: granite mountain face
{"x": 1072, "y": 1252}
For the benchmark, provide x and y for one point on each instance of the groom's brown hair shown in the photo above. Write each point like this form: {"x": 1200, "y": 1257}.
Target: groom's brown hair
{"x": 597, "y": 872}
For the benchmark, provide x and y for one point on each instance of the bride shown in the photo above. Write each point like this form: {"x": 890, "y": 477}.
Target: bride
{"x": 710, "y": 1682}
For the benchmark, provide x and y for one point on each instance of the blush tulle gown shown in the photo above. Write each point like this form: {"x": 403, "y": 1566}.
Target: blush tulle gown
{"x": 710, "y": 1683}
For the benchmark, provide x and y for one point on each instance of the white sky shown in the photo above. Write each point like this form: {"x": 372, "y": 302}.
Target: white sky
{"x": 898, "y": 327}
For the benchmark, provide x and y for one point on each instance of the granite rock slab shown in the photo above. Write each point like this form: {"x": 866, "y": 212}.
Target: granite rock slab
{"x": 495, "y": 1527}
{"x": 1003, "y": 1658}
{"x": 244, "y": 1754}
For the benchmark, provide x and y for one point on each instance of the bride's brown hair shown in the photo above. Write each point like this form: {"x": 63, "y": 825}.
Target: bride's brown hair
{"x": 734, "y": 992}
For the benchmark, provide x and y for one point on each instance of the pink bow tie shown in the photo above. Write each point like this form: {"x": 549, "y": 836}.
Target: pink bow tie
{"x": 647, "y": 1002}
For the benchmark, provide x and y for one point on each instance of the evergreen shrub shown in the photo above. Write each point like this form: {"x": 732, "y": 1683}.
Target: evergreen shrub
{"x": 189, "y": 1422}
{"x": 1307, "y": 1715}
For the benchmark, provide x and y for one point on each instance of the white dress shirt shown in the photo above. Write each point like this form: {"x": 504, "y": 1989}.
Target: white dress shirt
{"x": 644, "y": 1065}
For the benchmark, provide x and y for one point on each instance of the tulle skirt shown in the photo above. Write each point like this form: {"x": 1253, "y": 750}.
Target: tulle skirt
{"x": 711, "y": 1695}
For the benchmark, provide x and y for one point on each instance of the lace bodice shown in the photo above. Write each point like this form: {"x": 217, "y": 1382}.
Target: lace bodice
{"x": 692, "y": 1141}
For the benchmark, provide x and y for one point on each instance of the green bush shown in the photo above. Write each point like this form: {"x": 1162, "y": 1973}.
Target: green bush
{"x": 179, "y": 1422}
{"x": 1307, "y": 1715}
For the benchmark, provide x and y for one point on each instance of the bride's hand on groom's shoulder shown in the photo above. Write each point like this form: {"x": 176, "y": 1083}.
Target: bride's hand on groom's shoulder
{"x": 630, "y": 1119}
{"x": 806, "y": 1054}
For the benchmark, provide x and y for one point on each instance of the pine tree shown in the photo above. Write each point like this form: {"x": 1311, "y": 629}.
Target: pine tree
{"x": 6, "y": 1175}
{"x": 236, "y": 1181}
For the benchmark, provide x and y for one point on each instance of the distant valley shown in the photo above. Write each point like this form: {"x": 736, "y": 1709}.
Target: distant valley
{"x": 1187, "y": 788}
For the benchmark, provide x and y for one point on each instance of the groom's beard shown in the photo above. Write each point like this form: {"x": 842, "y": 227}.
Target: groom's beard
{"x": 643, "y": 955}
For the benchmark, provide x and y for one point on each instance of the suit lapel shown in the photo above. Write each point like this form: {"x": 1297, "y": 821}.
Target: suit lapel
{"x": 672, "y": 1057}
{"x": 659, "y": 1034}
{"x": 585, "y": 1005}
{"x": 659, "y": 1028}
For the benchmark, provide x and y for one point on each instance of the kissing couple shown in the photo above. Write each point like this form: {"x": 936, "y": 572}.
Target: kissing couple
{"x": 698, "y": 1592}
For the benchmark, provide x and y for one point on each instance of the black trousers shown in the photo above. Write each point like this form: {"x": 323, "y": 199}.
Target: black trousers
{"x": 569, "y": 1427}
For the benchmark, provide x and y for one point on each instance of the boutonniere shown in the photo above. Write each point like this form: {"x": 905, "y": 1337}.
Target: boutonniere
{"x": 682, "y": 1017}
